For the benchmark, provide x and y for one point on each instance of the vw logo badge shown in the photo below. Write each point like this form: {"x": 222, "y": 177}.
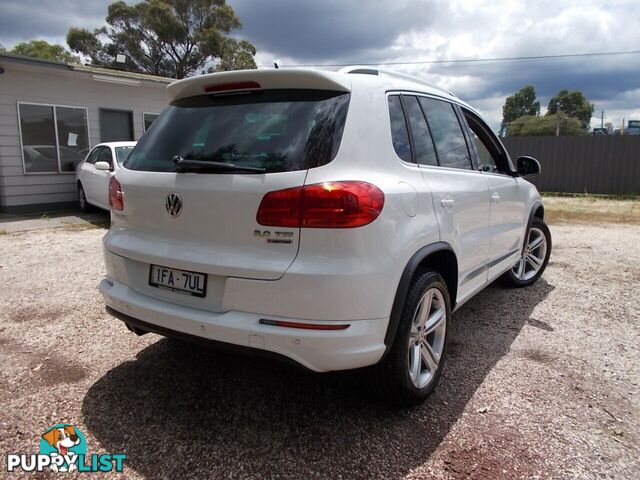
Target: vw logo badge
{"x": 173, "y": 204}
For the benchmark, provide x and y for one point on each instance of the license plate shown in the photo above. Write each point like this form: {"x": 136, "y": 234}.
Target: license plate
{"x": 181, "y": 281}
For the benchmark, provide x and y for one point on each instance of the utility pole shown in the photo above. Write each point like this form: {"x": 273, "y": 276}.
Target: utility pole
{"x": 602, "y": 119}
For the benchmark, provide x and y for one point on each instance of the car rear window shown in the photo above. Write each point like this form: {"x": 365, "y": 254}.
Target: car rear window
{"x": 278, "y": 130}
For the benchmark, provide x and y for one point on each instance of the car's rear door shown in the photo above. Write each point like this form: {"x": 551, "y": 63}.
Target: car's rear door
{"x": 460, "y": 194}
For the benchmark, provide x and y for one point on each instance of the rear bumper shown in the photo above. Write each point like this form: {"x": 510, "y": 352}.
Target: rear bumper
{"x": 360, "y": 345}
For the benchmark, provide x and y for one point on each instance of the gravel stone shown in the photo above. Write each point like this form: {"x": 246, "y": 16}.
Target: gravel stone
{"x": 541, "y": 382}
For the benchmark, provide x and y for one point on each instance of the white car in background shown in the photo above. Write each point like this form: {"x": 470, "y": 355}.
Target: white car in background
{"x": 92, "y": 174}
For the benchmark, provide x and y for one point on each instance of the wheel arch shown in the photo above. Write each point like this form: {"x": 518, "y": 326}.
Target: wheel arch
{"x": 438, "y": 256}
{"x": 537, "y": 210}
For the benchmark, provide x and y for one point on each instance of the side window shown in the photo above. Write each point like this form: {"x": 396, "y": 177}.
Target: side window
{"x": 105, "y": 156}
{"x": 93, "y": 156}
{"x": 425, "y": 154}
{"x": 491, "y": 156}
{"x": 399, "y": 132}
{"x": 447, "y": 133}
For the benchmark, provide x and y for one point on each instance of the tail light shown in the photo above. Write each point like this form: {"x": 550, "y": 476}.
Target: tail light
{"x": 322, "y": 205}
{"x": 116, "y": 197}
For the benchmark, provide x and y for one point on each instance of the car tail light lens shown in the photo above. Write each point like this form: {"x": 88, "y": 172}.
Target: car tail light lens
{"x": 116, "y": 197}
{"x": 322, "y": 205}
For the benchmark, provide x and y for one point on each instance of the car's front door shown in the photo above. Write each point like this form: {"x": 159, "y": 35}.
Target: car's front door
{"x": 101, "y": 179}
{"x": 460, "y": 194}
{"x": 87, "y": 177}
{"x": 508, "y": 196}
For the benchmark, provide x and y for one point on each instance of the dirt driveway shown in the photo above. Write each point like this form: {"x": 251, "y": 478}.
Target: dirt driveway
{"x": 541, "y": 382}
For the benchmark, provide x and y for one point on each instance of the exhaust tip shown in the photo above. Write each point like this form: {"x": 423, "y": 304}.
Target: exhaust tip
{"x": 137, "y": 331}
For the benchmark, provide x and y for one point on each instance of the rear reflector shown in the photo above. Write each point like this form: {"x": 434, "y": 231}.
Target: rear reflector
{"x": 228, "y": 87}
{"x": 347, "y": 204}
{"x": 116, "y": 197}
{"x": 304, "y": 326}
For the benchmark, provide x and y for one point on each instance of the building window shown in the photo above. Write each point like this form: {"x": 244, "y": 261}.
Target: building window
{"x": 148, "y": 119}
{"x": 54, "y": 138}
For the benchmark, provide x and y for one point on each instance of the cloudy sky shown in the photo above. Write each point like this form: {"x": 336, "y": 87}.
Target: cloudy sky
{"x": 369, "y": 31}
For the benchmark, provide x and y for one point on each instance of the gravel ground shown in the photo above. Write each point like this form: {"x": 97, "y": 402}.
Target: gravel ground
{"x": 541, "y": 382}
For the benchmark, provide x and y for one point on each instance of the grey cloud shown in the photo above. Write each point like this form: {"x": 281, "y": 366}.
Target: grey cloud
{"x": 25, "y": 20}
{"x": 331, "y": 30}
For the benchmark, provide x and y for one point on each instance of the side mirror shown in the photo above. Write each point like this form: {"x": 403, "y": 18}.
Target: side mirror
{"x": 102, "y": 166}
{"x": 528, "y": 166}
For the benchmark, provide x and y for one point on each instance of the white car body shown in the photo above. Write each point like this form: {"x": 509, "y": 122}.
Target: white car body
{"x": 94, "y": 182}
{"x": 324, "y": 276}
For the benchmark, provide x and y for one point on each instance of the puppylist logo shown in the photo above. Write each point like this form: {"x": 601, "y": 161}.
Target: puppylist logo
{"x": 63, "y": 448}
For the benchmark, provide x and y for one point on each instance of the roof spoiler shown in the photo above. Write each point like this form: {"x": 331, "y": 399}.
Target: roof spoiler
{"x": 252, "y": 80}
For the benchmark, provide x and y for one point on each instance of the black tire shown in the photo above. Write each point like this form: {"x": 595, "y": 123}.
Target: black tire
{"x": 390, "y": 378}
{"x": 509, "y": 278}
{"x": 82, "y": 200}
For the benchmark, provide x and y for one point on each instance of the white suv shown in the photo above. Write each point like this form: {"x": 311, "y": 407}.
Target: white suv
{"x": 333, "y": 218}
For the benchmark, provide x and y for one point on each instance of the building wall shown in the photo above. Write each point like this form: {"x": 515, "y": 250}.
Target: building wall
{"x": 22, "y": 82}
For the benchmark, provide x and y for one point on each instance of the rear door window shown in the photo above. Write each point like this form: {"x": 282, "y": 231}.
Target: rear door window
{"x": 278, "y": 130}
{"x": 399, "y": 132}
{"x": 447, "y": 133}
{"x": 422, "y": 142}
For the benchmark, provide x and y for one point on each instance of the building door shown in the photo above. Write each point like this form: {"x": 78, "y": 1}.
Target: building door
{"x": 116, "y": 125}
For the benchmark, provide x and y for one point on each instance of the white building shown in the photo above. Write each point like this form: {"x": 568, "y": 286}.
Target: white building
{"x": 51, "y": 114}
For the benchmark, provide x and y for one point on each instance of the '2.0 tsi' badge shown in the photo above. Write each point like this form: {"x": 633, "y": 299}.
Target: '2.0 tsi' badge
{"x": 173, "y": 204}
{"x": 282, "y": 238}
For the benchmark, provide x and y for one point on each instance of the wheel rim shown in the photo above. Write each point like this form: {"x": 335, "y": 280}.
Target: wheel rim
{"x": 81, "y": 197}
{"x": 426, "y": 340}
{"x": 533, "y": 255}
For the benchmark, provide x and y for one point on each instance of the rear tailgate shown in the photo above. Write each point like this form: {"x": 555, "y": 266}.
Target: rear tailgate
{"x": 216, "y": 232}
{"x": 282, "y": 123}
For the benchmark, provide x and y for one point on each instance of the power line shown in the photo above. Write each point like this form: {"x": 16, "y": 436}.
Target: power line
{"x": 469, "y": 60}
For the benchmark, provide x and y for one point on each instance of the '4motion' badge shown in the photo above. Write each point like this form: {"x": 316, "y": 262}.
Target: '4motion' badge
{"x": 173, "y": 204}
{"x": 282, "y": 238}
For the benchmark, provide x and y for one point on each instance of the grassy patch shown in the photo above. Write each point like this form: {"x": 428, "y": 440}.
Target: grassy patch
{"x": 591, "y": 208}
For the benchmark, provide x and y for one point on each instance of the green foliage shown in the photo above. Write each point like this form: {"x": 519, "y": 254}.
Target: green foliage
{"x": 573, "y": 104}
{"x": 45, "y": 51}
{"x": 236, "y": 55}
{"x": 520, "y": 104}
{"x": 173, "y": 38}
{"x": 547, "y": 125}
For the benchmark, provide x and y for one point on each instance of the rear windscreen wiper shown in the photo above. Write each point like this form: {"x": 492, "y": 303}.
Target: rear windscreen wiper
{"x": 189, "y": 165}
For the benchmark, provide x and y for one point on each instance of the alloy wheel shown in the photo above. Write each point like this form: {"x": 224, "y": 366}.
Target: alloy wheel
{"x": 426, "y": 339}
{"x": 533, "y": 255}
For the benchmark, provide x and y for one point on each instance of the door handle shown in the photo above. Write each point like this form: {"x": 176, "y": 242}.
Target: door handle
{"x": 447, "y": 202}
{"x": 495, "y": 198}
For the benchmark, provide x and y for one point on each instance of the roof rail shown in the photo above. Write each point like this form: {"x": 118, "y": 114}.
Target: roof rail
{"x": 369, "y": 70}
{"x": 415, "y": 79}
{"x": 366, "y": 70}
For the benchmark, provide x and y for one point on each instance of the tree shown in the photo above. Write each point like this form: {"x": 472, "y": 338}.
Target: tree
{"x": 45, "y": 51}
{"x": 173, "y": 38}
{"x": 236, "y": 55}
{"x": 531, "y": 125}
{"x": 518, "y": 105}
{"x": 573, "y": 104}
